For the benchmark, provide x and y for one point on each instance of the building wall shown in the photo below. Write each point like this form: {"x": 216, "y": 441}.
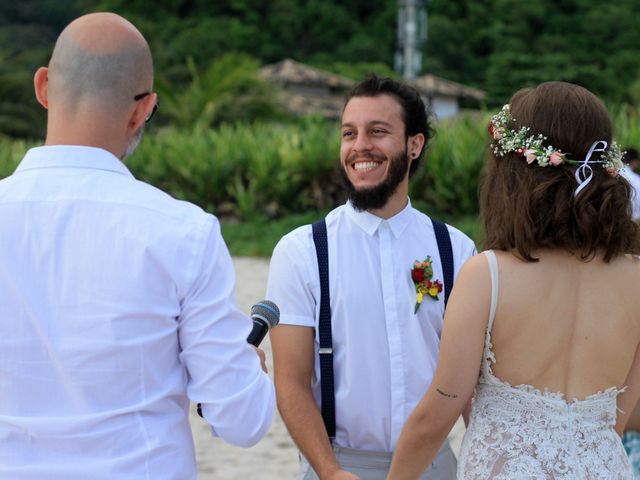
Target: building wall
{"x": 444, "y": 107}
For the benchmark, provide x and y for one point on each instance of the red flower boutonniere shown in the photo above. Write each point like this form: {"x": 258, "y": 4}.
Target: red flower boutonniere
{"x": 421, "y": 274}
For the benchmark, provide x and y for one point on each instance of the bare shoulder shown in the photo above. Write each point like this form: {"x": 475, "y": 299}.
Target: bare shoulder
{"x": 468, "y": 307}
{"x": 474, "y": 281}
{"x": 475, "y": 269}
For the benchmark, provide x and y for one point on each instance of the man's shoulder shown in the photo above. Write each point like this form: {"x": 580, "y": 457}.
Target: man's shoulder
{"x": 463, "y": 247}
{"x": 458, "y": 235}
{"x": 146, "y": 196}
{"x": 303, "y": 235}
{"x": 299, "y": 235}
{"x": 427, "y": 221}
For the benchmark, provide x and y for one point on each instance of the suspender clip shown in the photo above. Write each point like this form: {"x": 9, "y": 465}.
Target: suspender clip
{"x": 326, "y": 351}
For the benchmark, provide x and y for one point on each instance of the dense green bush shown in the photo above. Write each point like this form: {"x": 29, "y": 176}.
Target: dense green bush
{"x": 245, "y": 170}
{"x": 626, "y": 121}
{"x": 270, "y": 170}
{"x": 267, "y": 171}
{"x": 229, "y": 90}
{"x": 448, "y": 181}
{"x": 11, "y": 152}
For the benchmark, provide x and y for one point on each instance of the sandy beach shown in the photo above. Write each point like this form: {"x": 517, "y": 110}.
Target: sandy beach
{"x": 275, "y": 457}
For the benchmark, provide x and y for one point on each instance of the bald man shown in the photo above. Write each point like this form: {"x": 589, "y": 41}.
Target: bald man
{"x": 116, "y": 301}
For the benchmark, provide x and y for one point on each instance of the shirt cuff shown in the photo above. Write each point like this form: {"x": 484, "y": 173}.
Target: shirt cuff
{"x": 299, "y": 320}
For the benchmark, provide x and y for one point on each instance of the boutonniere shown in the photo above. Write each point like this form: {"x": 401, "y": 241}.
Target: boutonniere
{"x": 421, "y": 274}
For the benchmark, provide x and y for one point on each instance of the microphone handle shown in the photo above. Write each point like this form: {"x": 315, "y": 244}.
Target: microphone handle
{"x": 258, "y": 332}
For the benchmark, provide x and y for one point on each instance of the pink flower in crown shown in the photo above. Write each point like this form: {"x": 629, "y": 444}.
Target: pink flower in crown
{"x": 612, "y": 171}
{"x": 530, "y": 155}
{"x": 556, "y": 158}
{"x": 494, "y": 132}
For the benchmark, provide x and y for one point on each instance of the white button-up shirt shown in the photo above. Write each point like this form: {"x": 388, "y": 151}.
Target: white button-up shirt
{"x": 116, "y": 307}
{"x": 384, "y": 354}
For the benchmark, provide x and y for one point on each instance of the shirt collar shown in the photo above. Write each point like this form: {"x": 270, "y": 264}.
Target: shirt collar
{"x": 72, "y": 156}
{"x": 370, "y": 222}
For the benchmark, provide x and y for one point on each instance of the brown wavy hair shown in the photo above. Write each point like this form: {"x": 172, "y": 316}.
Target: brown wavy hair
{"x": 525, "y": 207}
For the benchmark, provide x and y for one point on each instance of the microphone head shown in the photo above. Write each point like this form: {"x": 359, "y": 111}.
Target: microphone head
{"x": 268, "y": 311}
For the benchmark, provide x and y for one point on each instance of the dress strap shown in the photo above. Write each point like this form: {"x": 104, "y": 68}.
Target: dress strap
{"x": 495, "y": 286}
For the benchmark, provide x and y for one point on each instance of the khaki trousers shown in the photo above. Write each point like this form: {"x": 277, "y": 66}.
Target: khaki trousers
{"x": 375, "y": 465}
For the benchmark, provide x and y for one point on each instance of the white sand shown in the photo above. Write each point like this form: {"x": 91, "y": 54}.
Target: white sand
{"x": 275, "y": 457}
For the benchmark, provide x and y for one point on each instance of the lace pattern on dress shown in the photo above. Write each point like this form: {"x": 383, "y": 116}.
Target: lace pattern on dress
{"x": 520, "y": 432}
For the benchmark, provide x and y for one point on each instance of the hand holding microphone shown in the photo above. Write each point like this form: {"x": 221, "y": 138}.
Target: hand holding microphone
{"x": 265, "y": 315}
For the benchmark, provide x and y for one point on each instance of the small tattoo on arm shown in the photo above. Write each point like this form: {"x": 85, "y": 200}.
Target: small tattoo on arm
{"x": 448, "y": 395}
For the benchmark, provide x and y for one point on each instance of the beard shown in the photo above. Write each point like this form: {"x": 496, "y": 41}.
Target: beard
{"x": 376, "y": 197}
{"x": 133, "y": 144}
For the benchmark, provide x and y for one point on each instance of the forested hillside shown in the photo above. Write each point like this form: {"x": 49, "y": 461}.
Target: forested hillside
{"x": 495, "y": 45}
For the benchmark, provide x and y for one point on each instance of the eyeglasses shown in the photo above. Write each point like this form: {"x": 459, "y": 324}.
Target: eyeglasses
{"x": 140, "y": 96}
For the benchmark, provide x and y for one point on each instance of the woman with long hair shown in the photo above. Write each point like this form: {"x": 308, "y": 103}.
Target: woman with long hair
{"x": 542, "y": 329}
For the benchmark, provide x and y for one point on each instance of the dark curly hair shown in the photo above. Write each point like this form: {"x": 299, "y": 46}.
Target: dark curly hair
{"x": 415, "y": 114}
{"x": 527, "y": 207}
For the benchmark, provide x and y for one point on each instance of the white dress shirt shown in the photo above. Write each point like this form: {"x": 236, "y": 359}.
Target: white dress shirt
{"x": 116, "y": 307}
{"x": 634, "y": 180}
{"x": 384, "y": 354}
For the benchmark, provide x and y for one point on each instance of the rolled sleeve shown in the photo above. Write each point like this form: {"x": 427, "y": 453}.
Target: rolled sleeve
{"x": 292, "y": 283}
{"x": 224, "y": 372}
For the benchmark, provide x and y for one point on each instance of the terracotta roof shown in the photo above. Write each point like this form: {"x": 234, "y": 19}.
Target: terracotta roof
{"x": 291, "y": 72}
{"x": 329, "y": 100}
{"x": 431, "y": 85}
{"x": 329, "y": 106}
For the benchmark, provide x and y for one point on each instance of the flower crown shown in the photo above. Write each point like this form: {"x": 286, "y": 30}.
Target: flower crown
{"x": 532, "y": 149}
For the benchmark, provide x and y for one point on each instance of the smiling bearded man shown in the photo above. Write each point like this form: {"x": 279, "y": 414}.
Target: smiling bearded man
{"x": 356, "y": 339}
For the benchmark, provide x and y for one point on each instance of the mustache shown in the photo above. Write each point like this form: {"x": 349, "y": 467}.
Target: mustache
{"x": 353, "y": 157}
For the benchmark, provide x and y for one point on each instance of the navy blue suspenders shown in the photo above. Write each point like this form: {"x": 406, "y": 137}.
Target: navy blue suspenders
{"x": 446, "y": 256}
{"x": 319, "y": 228}
{"x": 327, "y": 403}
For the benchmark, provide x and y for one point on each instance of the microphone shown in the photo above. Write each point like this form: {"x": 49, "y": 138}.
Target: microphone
{"x": 265, "y": 315}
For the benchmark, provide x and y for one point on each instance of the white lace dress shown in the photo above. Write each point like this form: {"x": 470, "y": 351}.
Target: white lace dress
{"x": 518, "y": 432}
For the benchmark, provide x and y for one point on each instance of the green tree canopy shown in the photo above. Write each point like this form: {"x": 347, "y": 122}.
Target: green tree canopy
{"x": 496, "y": 45}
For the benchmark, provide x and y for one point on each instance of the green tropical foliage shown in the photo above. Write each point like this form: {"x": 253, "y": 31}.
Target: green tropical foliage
{"x": 11, "y": 152}
{"x": 28, "y": 30}
{"x": 498, "y": 46}
{"x": 245, "y": 171}
{"x": 448, "y": 182}
{"x": 229, "y": 90}
{"x": 504, "y": 45}
{"x": 270, "y": 170}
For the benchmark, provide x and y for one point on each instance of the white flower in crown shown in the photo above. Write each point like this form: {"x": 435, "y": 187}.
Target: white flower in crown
{"x": 531, "y": 148}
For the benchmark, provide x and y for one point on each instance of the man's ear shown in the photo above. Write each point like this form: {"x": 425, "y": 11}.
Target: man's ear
{"x": 41, "y": 86}
{"x": 414, "y": 145}
{"x": 141, "y": 112}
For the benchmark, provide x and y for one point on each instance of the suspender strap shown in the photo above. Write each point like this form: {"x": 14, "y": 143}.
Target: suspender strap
{"x": 324, "y": 328}
{"x": 328, "y": 407}
{"x": 446, "y": 256}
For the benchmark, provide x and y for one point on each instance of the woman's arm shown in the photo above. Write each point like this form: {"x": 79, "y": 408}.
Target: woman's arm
{"x": 461, "y": 351}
